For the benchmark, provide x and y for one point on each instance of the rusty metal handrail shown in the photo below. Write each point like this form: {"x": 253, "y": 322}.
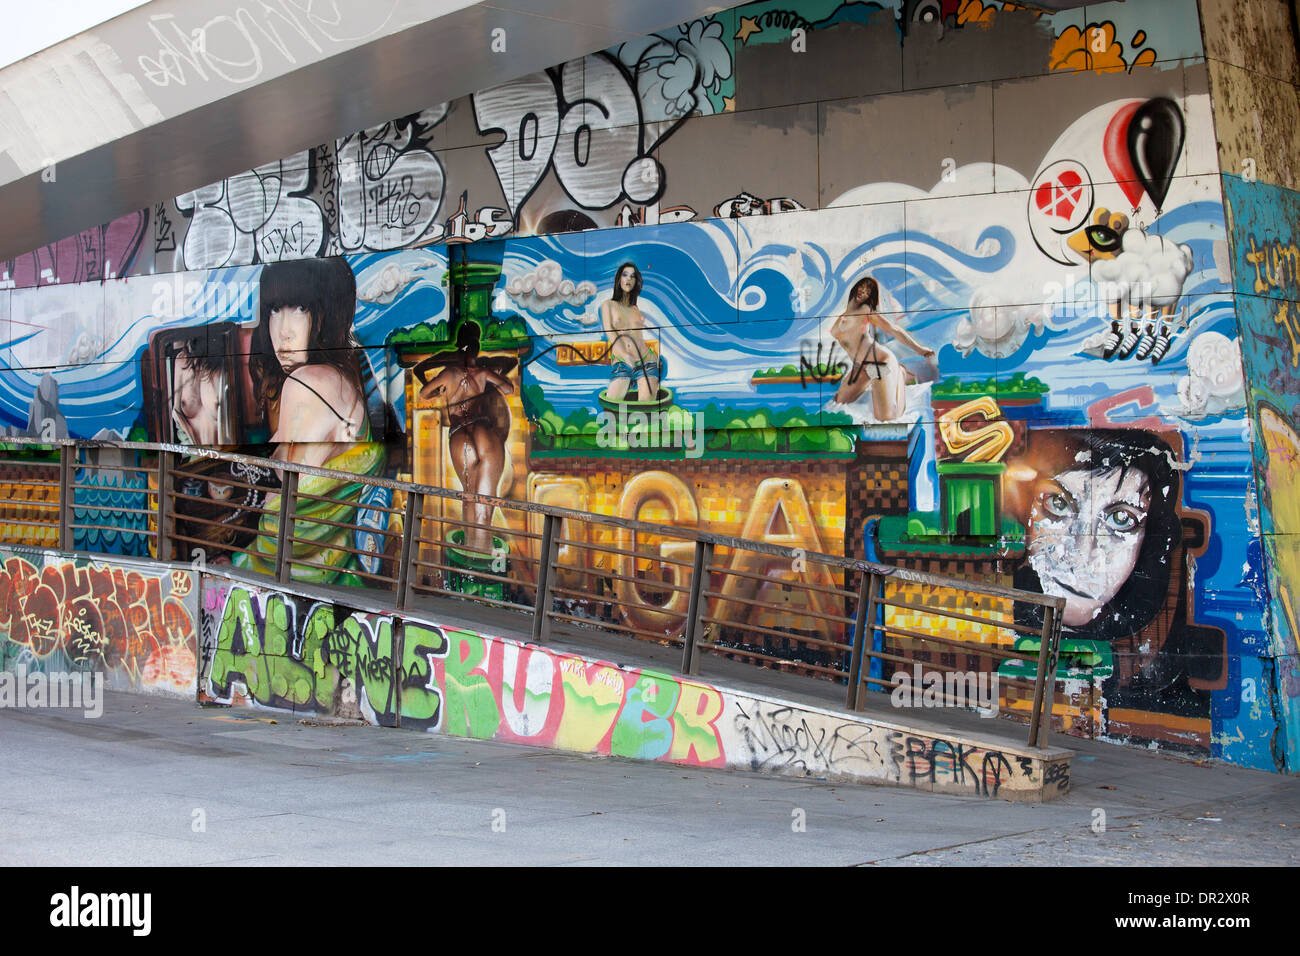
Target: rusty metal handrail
{"x": 870, "y": 597}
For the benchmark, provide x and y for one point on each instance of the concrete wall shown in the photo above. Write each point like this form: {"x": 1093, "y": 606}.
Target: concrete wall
{"x": 1252, "y": 50}
{"x": 1057, "y": 400}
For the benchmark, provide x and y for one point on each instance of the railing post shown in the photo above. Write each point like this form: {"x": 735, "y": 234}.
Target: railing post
{"x": 698, "y": 609}
{"x": 1040, "y": 722}
{"x": 868, "y": 602}
{"x": 164, "y": 539}
{"x": 67, "y": 456}
{"x": 411, "y": 519}
{"x": 284, "y": 537}
{"x": 545, "y": 581}
{"x": 699, "y": 580}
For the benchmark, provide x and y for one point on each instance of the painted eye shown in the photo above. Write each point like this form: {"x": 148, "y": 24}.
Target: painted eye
{"x": 1123, "y": 520}
{"x": 1056, "y": 505}
{"x": 1103, "y": 238}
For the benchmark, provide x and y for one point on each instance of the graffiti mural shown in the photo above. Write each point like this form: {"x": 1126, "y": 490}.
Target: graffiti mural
{"x": 262, "y": 215}
{"x": 803, "y": 742}
{"x": 1005, "y": 343}
{"x": 136, "y": 626}
{"x": 812, "y": 369}
{"x": 281, "y": 651}
{"x": 118, "y": 248}
{"x": 288, "y": 652}
{"x": 390, "y": 184}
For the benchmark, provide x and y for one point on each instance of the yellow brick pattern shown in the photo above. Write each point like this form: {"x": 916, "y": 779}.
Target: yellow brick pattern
{"x": 23, "y": 502}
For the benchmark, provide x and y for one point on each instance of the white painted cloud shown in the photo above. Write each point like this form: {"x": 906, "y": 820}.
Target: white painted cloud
{"x": 1148, "y": 271}
{"x": 545, "y": 288}
{"x": 1214, "y": 384}
{"x": 391, "y": 280}
{"x": 993, "y": 327}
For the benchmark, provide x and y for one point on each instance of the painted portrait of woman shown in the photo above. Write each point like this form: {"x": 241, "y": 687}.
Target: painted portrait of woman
{"x": 633, "y": 363}
{"x": 304, "y": 360}
{"x": 1102, "y": 508}
{"x": 1105, "y": 530}
{"x": 469, "y": 390}
{"x": 305, "y": 366}
{"x": 865, "y": 334}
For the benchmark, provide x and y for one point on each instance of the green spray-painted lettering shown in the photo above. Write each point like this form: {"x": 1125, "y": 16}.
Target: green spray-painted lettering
{"x": 471, "y": 705}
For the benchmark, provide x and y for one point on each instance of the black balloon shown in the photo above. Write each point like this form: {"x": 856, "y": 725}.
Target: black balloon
{"x": 1155, "y": 141}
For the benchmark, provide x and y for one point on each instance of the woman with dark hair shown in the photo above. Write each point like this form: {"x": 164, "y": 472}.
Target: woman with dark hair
{"x": 303, "y": 359}
{"x": 201, "y": 413}
{"x": 1102, "y": 526}
{"x": 861, "y": 332}
{"x": 306, "y": 374}
{"x": 1105, "y": 532}
{"x": 631, "y": 359}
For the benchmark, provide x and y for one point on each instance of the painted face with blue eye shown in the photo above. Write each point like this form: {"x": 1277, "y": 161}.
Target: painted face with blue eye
{"x": 1085, "y": 533}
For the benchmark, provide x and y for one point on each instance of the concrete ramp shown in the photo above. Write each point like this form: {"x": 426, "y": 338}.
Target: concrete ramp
{"x": 307, "y": 654}
{"x": 152, "y": 628}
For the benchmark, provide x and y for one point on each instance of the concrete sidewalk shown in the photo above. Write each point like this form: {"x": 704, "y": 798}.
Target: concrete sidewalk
{"x": 158, "y": 781}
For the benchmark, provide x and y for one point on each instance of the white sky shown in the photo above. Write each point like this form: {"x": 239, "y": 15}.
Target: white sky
{"x": 32, "y": 25}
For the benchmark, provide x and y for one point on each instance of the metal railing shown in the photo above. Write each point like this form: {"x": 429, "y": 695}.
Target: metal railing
{"x": 818, "y": 614}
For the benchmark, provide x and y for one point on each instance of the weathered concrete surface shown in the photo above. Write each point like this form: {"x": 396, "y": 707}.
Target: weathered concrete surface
{"x": 1255, "y": 119}
{"x": 1254, "y": 34}
{"x": 124, "y": 790}
{"x": 1251, "y": 53}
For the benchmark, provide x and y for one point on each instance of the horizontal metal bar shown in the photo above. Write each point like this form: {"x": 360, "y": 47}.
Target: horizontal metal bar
{"x": 28, "y": 524}
{"x": 640, "y": 555}
{"x": 804, "y": 585}
{"x": 219, "y": 547}
{"x": 470, "y": 572}
{"x": 110, "y": 527}
{"x": 970, "y": 647}
{"x": 349, "y": 502}
{"x": 585, "y": 596}
{"x": 760, "y": 629}
{"x": 346, "y": 526}
{"x": 175, "y": 496}
{"x": 300, "y": 563}
{"x": 779, "y": 608}
{"x": 82, "y": 506}
{"x": 496, "y": 529}
{"x": 610, "y": 575}
{"x": 957, "y": 615}
{"x": 785, "y": 662}
{"x": 221, "y": 480}
{"x": 426, "y": 589}
{"x": 513, "y": 558}
{"x": 27, "y": 504}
